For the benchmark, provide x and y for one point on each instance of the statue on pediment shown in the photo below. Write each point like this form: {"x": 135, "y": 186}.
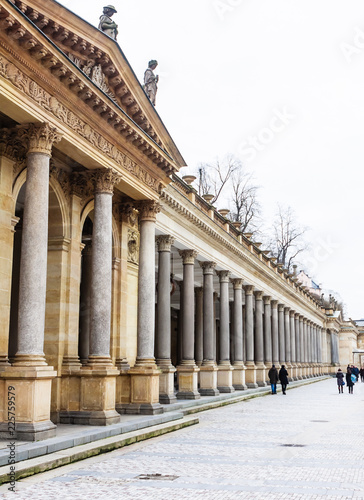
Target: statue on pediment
{"x": 151, "y": 80}
{"x": 106, "y": 24}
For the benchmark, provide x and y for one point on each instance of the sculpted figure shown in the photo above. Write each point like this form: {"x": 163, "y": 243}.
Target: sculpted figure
{"x": 151, "y": 80}
{"x": 106, "y": 24}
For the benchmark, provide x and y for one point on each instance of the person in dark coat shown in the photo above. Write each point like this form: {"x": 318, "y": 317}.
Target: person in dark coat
{"x": 283, "y": 377}
{"x": 273, "y": 378}
{"x": 349, "y": 382}
{"x": 362, "y": 374}
{"x": 340, "y": 381}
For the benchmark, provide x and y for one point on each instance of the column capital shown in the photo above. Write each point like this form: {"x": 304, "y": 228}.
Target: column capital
{"x": 237, "y": 283}
{"x": 223, "y": 276}
{"x": 292, "y": 313}
{"x": 208, "y": 267}
{"x": 274, "y": 304}
{"x": 301, "y": 317}
{"x": 281, "y": 307}
{"x": 267, "y": 300}
{"x": 39, "y": 137}
{"x": 286, "y": 310}
{"x": 164, "y": 242}
{"x": 104, "y": 180}
{"x": 258, "y": 294}
{"x": 188, "y": 256}
{"x": 305, "y": 320}
{"x": 248, "y": 289}
{"x": 148, "y": 210}
{"x": 199, "y": 290}
{"x": 297, "y": 315}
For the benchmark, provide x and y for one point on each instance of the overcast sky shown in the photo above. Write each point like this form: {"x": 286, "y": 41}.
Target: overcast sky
{"x": 280, "y": 84}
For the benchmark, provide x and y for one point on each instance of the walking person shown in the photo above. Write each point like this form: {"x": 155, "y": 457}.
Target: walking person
{"x": 283, "y": 377}
{"x": 273, "y": 378}
{"x": 349, "y": 380}
{"x": 340, "y": 381}
{"x": 362, "y": 374}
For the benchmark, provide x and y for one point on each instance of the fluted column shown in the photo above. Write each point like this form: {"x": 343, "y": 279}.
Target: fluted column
{"x": 293, "y": 344}
{"x": 163, "y": 353}
{"x": 187, "y": 369}
{"x": 238, "y": 336}
{"x": 275, "y": 332}
{"x": 145, "y": 373}
{"x": 224, "y": 374}
{"x": 250, "y": 374}
{"x": 208, "y": 369}
{"x": 282, "y": 349}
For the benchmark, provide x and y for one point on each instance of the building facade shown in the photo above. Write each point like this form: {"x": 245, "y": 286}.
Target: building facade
{"x": 121, "y": 289}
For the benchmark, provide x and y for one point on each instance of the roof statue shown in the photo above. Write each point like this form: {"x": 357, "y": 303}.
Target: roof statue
{"x": 151, "y": 80}
{"x": 106, "y": 24}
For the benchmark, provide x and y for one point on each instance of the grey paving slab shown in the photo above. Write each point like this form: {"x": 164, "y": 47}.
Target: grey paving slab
{"x": 306, "y": 445}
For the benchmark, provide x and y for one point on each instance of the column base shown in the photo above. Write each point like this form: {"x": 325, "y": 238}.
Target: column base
{"x": 225, "y": 378}
{"x": 239, "y": 376}
{"x": 166, "y": 382}
{"x": 144, "y": 390}
{"x": 208, "y": 379}
{"x": 31, "y": 386}
{"x": 188, "y": 381}
{"x": 123, "y": 389}
{"x": 260, "y": 373}
{"x": 250, "y": 375}
{"x": 101, "y": 417}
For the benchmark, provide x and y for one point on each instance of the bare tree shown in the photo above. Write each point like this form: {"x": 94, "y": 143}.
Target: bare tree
{"x": 287, "y": 242}
{"x": 246, "y": 208}
{"x": 212, "y": 178}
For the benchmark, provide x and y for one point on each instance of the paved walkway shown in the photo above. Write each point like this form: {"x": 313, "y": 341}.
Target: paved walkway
{"x": 308, "y": 444}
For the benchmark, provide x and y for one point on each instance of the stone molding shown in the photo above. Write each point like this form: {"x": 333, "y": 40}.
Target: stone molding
{"x": 51, "y": 104}
{"x": 148, "y": 210}
{"x": 188, "y": 256}
{"x": 164, "y": 242}
{"x": 104, "y": 180}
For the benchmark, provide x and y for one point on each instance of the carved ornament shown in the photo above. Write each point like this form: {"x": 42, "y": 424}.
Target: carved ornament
{"x": 104, "y": 180}
{"x": 164, "y": 242}
{"x": 188, "y": 256}
{"x": 133, "y": 246}
{"x": 148, "y": 210}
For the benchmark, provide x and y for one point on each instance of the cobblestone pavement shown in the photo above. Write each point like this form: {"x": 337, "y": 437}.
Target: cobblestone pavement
{"x": 307, "y": 445}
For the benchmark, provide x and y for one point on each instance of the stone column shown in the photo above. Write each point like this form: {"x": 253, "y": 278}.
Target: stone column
{"x": 268, "y": 354}
{"x": 287, "y": 337}
{"x": 30, "y": 375}
{"x": 259, "y": 340}
{"x": 309, "y": 353}
{"x": 225, "y": 370}
{"x": 208, "y": 370}
{"x": 85, "y": 305}
{"x": 314, "y": 348}
{"x": 298, "y": 346}
{"x": 250, "y": 375}
{"x": 145, "y": 374}
{"x": 238, "y": 336}
{"x": 282, "y": 349}
{"x": 98, "y": 377}
{"x": 188, "y": 370}
{"x": 199, "y": 326}
{"x": 305, "y": 348}
{"x": 293, "y": 344}
{"x": 275, "y": 332}
{"x": 166, "y": 379}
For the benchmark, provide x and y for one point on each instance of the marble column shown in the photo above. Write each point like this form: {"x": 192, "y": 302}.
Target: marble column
{"x": 282, "y": 349}
{"x": 293, "y": 344}
{"x": 145, "y": 373}
{"x": 225, "y": 371}
{"x": 30, "y": 375}
{"x": 238, "y": 336}
{"x": 268, "y": 354}
{"x": 208, "y": 369}
{"x": 85, "y": 305}
{"x": 98, "y": 376}
{"x": 250, "y": 374}
{"x": 275, "y": 332}
{"x": 199, "y": 326}
{"x": 187, "y": 369}
{"x": 163, "y": 353}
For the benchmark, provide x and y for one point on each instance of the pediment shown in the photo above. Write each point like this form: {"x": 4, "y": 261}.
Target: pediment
{"x": 92, "y": 66}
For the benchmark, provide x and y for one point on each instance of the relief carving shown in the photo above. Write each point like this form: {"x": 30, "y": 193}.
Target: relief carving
{"x": 133, "y": 246}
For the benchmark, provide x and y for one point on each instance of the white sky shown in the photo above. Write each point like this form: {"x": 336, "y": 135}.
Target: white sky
{"x": 228, "y": 67}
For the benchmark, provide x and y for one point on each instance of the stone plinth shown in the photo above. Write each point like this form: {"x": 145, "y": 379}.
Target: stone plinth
{"x": 32, "y": 388}
{"x": 225, "y": 378}
{"x": 144, "y": 390}
{"x": 239, "y": 376}
{"x": 208, "y": 380}
{"x": 260, "y": 374}
{"x": 166, "y": 383}
{"x": 123, "y": 391}
{"x": 188, "y": 381}
{"x": 250, "y": 375}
